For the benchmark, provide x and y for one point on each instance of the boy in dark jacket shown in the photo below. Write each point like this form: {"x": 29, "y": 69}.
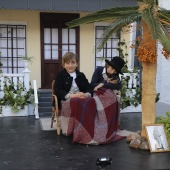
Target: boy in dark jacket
{"x": 70, "y": 82}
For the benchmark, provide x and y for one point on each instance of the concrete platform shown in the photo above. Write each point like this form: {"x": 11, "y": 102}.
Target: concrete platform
{"x": 162, "y": 108}
{"x": 24, "y": 146}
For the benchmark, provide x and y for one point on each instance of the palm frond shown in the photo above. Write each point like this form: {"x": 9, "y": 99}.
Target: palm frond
{"x": 164, "y": 15}
{"x": 164, "y": 26}
{"x": 115, "y": 26}
{"x": 101, "y": 15}
{"x": 163, "y": 39}
{"x": 156, "y": 29}
{"x": 148, "y": 17}
{"x": 116, "y": 10}
{"x": 164, "y": 19}
{"x": 152, "y": 2}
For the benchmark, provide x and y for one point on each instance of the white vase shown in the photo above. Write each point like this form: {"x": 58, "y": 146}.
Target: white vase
{"x": 26, "y": 64}
{"x": 6, "y": 111}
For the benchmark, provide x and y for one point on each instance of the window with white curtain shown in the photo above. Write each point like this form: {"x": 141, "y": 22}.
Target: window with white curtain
{"x": 110, "y": 48}
{"x": 12, "y": 47}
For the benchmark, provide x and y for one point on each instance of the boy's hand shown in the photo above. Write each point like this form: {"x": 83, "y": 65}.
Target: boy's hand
{"x": 79, "y": 95}
{"x": 112, "y": 81}
{"x": 98, "y": 86}
{"x": 82, "y": 95}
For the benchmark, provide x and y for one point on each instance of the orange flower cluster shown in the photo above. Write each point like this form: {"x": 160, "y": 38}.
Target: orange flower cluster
{"x": 165, "y": 53}
{"x": 146, "y": 52}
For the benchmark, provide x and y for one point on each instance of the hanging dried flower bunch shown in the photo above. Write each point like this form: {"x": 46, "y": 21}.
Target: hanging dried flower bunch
{"x": 146, "y": 52}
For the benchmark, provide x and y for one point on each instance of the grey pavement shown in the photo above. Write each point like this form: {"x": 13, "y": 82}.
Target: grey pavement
{"x": 24, "y": 146}
{"x": 162, "y": 108}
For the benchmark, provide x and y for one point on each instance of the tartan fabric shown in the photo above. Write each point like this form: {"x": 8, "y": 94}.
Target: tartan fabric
{"x": 94, "y": 120}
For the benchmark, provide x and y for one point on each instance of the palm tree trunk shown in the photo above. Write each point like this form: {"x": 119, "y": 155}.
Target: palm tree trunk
{"x": 148, "y": 83}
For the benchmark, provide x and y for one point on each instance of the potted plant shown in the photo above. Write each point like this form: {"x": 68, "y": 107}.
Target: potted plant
{"x": 27, "y": 60}
{"x": 15, "y": 100}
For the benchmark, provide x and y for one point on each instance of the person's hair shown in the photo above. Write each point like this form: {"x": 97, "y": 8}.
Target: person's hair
{"x": 107, "y": 65}
{"x": 69, "y": 56}
{"x": 110, "y": 75}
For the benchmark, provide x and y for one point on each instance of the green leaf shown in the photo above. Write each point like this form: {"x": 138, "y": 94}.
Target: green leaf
{"x": 105, "y": 14}
{"x": 16, "y": 99}
{"x": 168, "y": 114}
{"x": 116, "y": 26}
{"x": 15, "y": 110}
{"x": 155, "y": 28}
{"x": 148, "y": 17}
{"x": 164, "y": 14}
{"x": 164, "y": 41}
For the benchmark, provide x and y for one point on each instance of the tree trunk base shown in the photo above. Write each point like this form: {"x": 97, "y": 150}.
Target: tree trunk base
{"x": 148, "y": 95}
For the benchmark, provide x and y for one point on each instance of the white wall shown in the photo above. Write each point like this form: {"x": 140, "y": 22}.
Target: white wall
{"x": 164, "y": 4}
{"x": 163, "y": 69}
{"x": 163, "y": 77}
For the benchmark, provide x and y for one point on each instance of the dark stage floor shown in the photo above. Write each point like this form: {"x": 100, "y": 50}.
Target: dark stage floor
{"x": 24, "y": 146}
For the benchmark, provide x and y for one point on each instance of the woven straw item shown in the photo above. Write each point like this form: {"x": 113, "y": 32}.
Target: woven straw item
{"x": 148, "y": 84}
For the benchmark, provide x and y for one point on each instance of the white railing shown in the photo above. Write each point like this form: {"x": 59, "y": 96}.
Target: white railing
{"x": 133, "y": 82}
{"x": 36, "y": 99}
{"x": 23, "y": 78}
{"x": 15, "y": 78}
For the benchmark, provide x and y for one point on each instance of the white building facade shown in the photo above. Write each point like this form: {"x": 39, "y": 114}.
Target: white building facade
{"x": 163, "y": 69}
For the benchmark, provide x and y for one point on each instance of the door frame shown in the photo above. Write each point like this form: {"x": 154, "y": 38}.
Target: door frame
{"x": 56, "y": 20}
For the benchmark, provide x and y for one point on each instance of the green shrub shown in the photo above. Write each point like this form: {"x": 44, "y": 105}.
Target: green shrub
{"x": 166, "y": 121}
{"x": 16, "y": 98}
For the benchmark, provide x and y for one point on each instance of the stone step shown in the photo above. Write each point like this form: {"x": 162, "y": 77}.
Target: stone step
{"x": 44, "y": 102}
{"x": 45, "y": 114}
{"x": 44, "y": 99}
{"x": 44, "y": 109}
{"x": 42, "y": 94}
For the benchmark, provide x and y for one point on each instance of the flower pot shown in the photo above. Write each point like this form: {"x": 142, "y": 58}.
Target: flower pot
{"x": 131, "y": 109}
{"x": 6, "y": 111}
{"x": 31, "y": 108}
{"x": 26, "y": 64}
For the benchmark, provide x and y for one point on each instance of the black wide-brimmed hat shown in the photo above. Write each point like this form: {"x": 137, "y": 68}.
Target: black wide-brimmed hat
{"x": 117, "y": 63}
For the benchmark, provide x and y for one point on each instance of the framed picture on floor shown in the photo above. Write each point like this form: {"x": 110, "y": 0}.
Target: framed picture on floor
{"x": 157, "y": 138}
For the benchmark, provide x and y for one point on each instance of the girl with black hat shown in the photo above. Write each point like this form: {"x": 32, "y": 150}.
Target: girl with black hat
{"x": 108, "y": 76}
{"x": 106, "y": 98}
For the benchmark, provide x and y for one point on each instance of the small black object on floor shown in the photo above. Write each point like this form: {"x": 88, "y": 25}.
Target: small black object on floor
{"x": 24, "y": 146}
